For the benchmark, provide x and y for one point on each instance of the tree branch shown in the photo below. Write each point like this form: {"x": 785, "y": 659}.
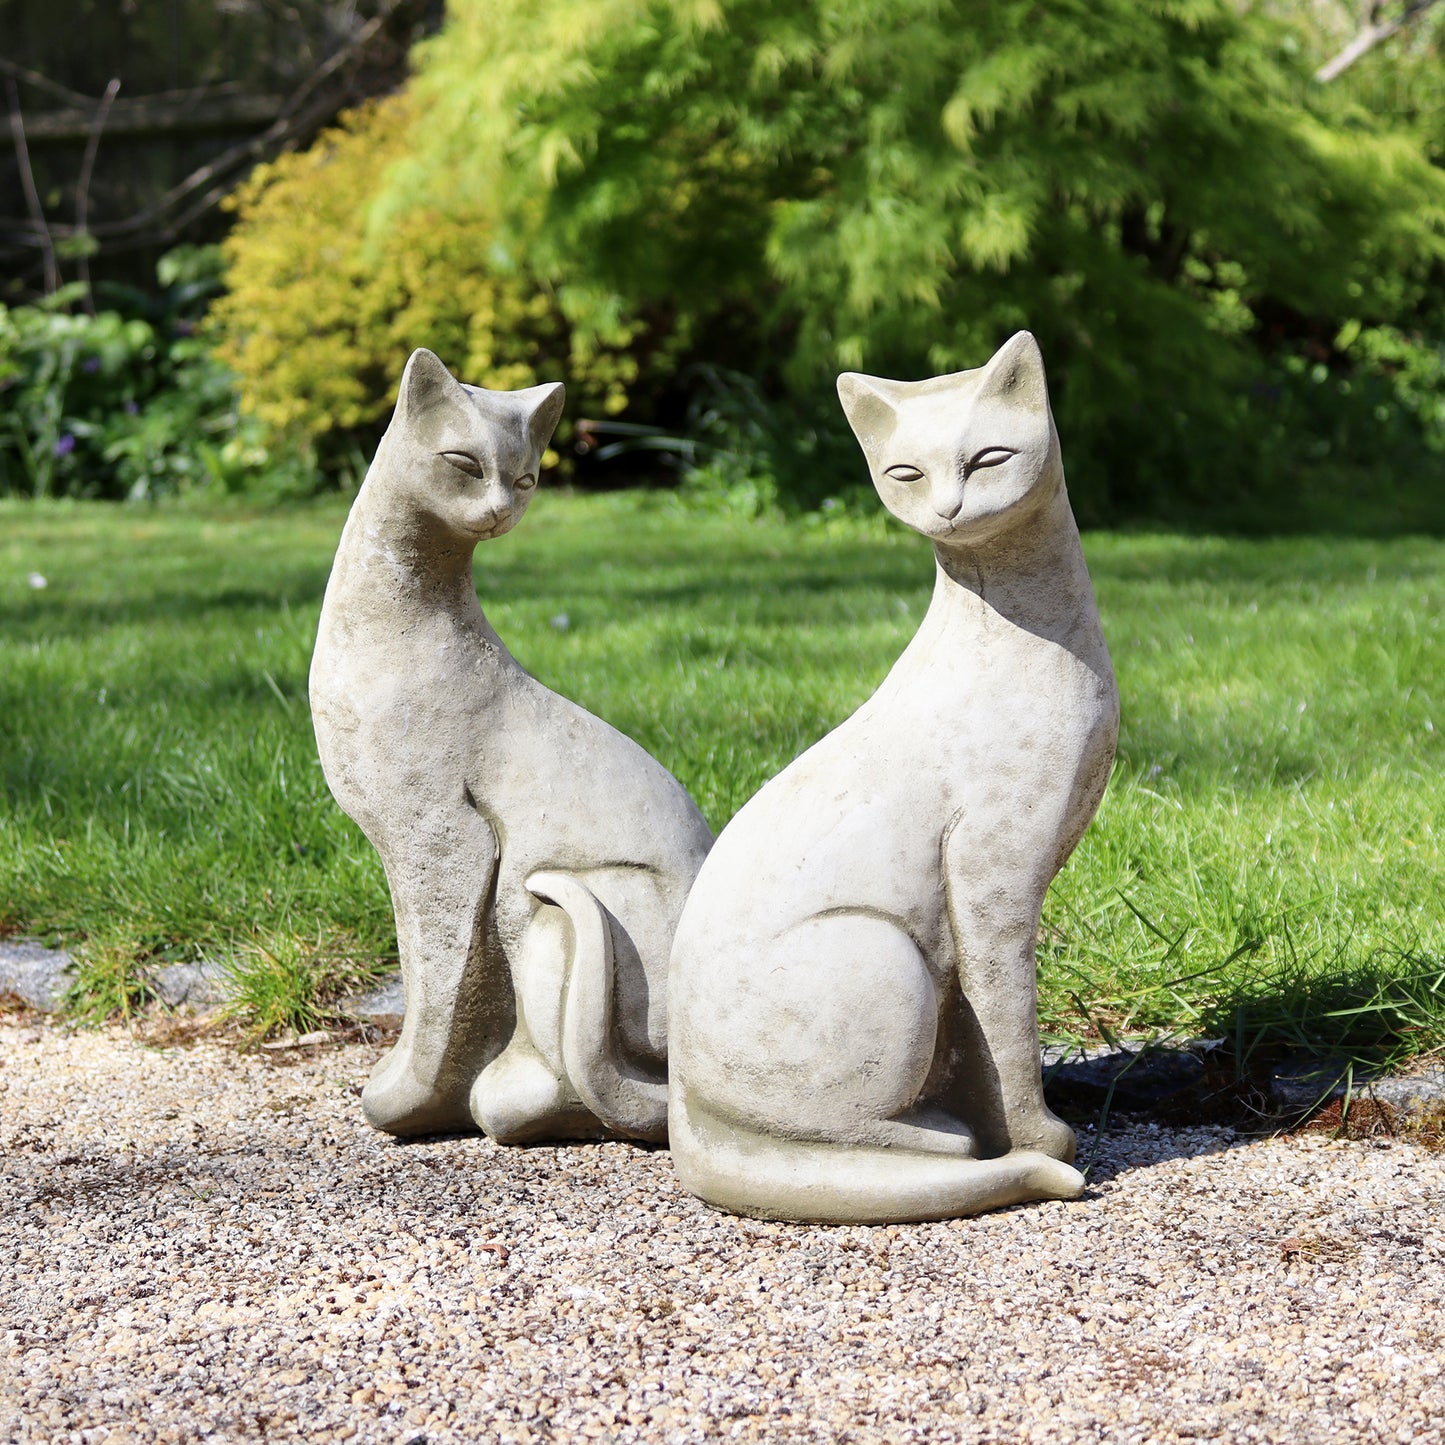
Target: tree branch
{"x": 34, "y": 77}
{"x": 148, "y": 115}
{"x": 1373, "y": 34}
{"x": 82, "y": 185}
{"x": 296, "y": 119}
{"x": 32, "y": 196}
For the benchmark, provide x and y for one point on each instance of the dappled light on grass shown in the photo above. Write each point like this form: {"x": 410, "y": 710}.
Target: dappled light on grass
{"x": 1257, "y": 918}
{"x": 1272, "y": 828}
{"x": 1273, "y": 825}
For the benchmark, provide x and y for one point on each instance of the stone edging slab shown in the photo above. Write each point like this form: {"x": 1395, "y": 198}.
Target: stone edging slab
{"x": 1143, "y": 1080}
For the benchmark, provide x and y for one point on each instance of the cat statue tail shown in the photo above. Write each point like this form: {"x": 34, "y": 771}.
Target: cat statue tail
{"x": 627, "y": 1103}
{"x": 738, "y": 1169}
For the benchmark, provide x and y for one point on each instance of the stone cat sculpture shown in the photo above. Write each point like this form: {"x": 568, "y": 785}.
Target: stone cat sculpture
{"x": 853, "y": 994}
{"x": 537, "y": 858}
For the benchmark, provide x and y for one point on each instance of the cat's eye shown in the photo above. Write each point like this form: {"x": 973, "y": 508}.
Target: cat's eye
{"x": 523, "y": 482}
{"x": 904, "y": 473}
{"x": 989, "y": 457}
{"x": 463, "y": 462}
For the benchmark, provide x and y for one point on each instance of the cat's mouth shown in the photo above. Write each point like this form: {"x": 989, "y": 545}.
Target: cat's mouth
{"x": 484, "y": 529}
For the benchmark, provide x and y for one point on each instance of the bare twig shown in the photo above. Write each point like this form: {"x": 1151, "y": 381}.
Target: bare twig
{"x": 40, "y": 82}
{"x": 296, "y": 119}
{"x": 221, "y": 169}
{"x": 82, "y": 185}
{"x": 1376, "y": 30}
{"x": 22, "y": 232}
{"x": 165, "y": 114}
{"x": 32, "y": 196}
{"x": 209, "y": 91}
{"x": 76, "y": 101}
{"x": 362, "y": 39}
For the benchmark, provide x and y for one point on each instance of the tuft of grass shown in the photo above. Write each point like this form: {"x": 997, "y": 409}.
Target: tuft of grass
{"x": 1375, "y": 1014}
{"x": 1268, "y": 861}
{"x": 280, "y": 981}
{"x": 1267, "y": 864}
{"x": 109, "y": 982}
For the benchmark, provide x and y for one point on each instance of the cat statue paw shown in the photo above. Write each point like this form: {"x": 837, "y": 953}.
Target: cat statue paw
{"x": 538, "y": 860}
{"x": 853, "y": 992}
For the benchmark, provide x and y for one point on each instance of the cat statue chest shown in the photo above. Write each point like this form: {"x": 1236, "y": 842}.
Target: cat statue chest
{"x": 383, "y": 629}
{"x": 852, "y": 982}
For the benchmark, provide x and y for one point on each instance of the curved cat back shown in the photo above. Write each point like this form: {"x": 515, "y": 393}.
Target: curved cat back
{"x": 852, "y": 987}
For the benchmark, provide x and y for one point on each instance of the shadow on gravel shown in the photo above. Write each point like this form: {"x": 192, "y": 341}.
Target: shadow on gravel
{"x": 1137, "y": 1143}
{"x": 1136, "y": 1108}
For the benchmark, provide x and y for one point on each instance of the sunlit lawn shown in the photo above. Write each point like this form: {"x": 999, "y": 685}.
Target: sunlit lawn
{"x": 1269, "y": 851}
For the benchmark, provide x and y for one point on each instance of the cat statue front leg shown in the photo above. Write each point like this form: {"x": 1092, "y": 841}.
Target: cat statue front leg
{"x": 994, "y": 921}
{"x": 443, "y": 885}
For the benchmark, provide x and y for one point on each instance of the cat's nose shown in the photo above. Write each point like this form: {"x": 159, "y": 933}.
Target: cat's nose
{"x": 945, "y": 510}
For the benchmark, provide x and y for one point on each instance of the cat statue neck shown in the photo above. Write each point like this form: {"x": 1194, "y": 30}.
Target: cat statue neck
{"x": 537, "y": 858}
{"x": 853, "y": 991}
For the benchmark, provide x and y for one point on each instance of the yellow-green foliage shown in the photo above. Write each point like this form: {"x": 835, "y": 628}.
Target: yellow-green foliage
{"x": 318, "y": 321}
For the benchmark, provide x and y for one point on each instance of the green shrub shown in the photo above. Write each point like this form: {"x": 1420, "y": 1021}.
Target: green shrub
{"x": 1155, "y": 187}
{"x": 753, "y": 453}
{"x": 317, "y": 321}
{"x": 125, "y": 402}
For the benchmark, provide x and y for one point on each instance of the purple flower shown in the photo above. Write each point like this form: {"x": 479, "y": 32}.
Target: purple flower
{"x": 131, "y": 408}
{"x": 91, "y": 364}
{"x": 64, "y": 445}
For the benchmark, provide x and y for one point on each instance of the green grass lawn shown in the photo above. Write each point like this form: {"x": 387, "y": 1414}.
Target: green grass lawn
{"x": 1267, "y": 863}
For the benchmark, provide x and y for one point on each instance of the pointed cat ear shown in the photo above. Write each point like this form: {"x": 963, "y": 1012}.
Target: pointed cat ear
{"x": 1016, "y": 373}
{"x": 544, "y": 407}
{"x": 871, "y": 405}
{"x": 424, "y": 382}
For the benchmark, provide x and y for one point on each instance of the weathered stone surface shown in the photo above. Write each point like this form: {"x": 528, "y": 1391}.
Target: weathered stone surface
{"x": 193, "y": 985}
{"x": 1420, "y": 1093}
{"x": 853, "y": 981}
{"x": 35, "y": 974}
{"x": 538, "y": 859}
{"x": 1304, "y": 1081}
{"x": 384, "y": 1006}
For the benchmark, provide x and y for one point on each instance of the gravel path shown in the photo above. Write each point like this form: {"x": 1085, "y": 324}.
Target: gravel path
{"x": 201, "y": 1243}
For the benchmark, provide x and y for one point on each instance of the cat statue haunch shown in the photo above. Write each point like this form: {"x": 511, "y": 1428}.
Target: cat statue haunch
{"x": 538, "y": 859}
{"x": 853, "y": 1000}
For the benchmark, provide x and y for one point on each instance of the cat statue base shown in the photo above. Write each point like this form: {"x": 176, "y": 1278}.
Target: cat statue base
{"x": 854, "y": 1030}
{"x": 538, "y": 859}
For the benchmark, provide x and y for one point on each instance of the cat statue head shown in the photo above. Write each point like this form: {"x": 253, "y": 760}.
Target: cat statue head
{"x": 467, "y": 458}
{"x": 964, "y": 457}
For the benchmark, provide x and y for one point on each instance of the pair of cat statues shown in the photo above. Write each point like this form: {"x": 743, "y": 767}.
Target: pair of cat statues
{"x": 830, "y": 1011}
